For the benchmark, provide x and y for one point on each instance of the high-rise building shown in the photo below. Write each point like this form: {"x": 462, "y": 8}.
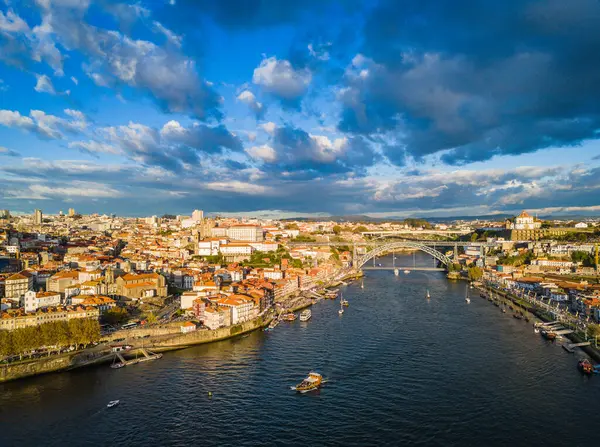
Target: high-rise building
{"x": 4, "y": 214}
{"x": 71, "y": 212}
{"x": 38, "y": 217}
{"x": 198, "y": 215}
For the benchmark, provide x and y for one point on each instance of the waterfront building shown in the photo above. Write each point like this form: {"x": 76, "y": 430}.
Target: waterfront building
{"x": 242, "y": 307}
{"x": 17, "y": 284}
{"x": 216, "y": 317}
{"x": 188, "y": 327}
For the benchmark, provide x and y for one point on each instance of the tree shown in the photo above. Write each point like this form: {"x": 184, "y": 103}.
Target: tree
{"x": 291, "y": 226}
{"x": 5, "y": 344}
{"x": 474, "y": 237}
{"x": 337, "y": 229}
{"x": 475, "y": 273}
{"x": 360, "y": 229}
{"x": 114, "y": 316}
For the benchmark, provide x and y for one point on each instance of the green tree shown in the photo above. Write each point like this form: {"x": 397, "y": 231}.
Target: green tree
{"x": 475, "y": 273}
{"x": 5, "y": 344}
{"x": 114, "y": 316}
{"x": 360, "y": 229}
{"x": 474, "y": 237}
{"x": 291, "y": 226}
{"x": 337, "y": 229}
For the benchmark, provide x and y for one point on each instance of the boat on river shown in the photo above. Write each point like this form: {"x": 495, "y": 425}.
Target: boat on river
{"x": 428, "y": 295}
{"x": 112, "y": 403}
{"x": 467, "y": 299}
{"x": 585, "y": 366}
{"x": 312, "y": 382}
{"x": 305, "y": 315}
{"x": 289, "y": 317}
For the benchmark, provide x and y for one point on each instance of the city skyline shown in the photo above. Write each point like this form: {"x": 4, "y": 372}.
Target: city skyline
{"x": 303, "y": 109}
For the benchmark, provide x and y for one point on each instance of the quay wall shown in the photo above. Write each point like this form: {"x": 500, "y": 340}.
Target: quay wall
{"x": 19, "y": 370}
{"x": 207, "y": 336}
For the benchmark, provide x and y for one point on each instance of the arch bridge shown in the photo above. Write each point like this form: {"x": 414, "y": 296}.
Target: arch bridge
{"x": 360, "y": 261}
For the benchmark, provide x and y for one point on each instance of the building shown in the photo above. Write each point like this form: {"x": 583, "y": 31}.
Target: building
{"x": 71, "y": 212}
{"x": 198, "y": 215}
{"x": 242, "y": 307}
{"x": 61, "y": 280}
{"x": 581, "y": 225}
{"x": 19, "y": 319}
{"x": 145, "y": 285}
{"x": 216, "y": 317}
{"x": 251, "y": 233}
{"x": 4, "y": 214}
{"x": 17, "y": 284}
{"x": 38, "y": 217}
{"x": 187, "y": 327}
{"x": 100, "y": 302}
{"x": 37, "y": 300}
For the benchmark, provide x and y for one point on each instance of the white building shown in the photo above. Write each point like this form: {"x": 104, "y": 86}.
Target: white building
{"x": 524, "y": 222}
{"x": 242, "y": 308}
{"x": 34, "y": 301}
{"x": 273, "y": 274}
{"x": 250, "y": 233}
{"x": 187, "y": 299}
{"x": 581, "y": 225}
{"x": 236, "y": 248}
{"x": 265, "y": 246}
{"x": 209, "y": 247}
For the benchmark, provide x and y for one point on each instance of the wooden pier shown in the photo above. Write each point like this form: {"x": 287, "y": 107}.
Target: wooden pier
{"x": 146, "y": 357}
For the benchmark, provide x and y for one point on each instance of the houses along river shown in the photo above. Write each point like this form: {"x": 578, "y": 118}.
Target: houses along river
{"x": 402, "y": 370}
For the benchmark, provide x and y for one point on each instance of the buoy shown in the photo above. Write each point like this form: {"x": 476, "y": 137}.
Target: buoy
{"x": 210, "y": 394}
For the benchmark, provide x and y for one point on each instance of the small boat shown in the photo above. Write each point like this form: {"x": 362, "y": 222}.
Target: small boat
{"x": 341, "y": 311}
{"x": 289, "y": 317}
{"x": 312, "y": 382}
{"x": 585, "y": 366}
{"x": 406, "y": 272}
{"x": 112, "y": 403}
{"x": 345, "y": 303}
{"x": 305, "y": 315}
{"x": 428, "y": 295}
{"x": 503, "y": 310}
{"x": 362, "y": 284}
{"x": 117, "y": 365}
{"x": 536, "y": 330}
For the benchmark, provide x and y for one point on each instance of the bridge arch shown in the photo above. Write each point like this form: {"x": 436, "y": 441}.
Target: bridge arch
{"x": 381, "y": 249}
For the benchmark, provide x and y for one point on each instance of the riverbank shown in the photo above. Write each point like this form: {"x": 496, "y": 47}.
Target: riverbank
{"x": 542, "y": 316}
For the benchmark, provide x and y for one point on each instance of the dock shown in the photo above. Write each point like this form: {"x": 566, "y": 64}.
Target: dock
{"x": 146, "y": 357}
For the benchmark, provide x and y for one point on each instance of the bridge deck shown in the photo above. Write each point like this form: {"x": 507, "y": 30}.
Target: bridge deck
{"x": 425, "y": 269}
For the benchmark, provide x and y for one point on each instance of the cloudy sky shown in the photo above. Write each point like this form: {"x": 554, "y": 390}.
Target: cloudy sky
{"x": 386, "y": 108}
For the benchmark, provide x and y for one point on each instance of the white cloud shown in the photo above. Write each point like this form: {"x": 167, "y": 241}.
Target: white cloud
{"x": 265, "y": 153}
{"x": 94, "y": 147}
{"x": 8, "y": 152}
{"x": 327, "y": 150}
{"x": 77, "y": 189}
{"x": 75, "y": 81}
{"x": 269, "y": 127}
{"x": 44, "y": 85}
{"x": 238, "y": 187}
{"x": 318, "y": 53}
{"x": 280, "y": 78}
{"x": 248, "y": 98}
{"x": 47, "y": 126}
{"x": 12, "y": 23}
{"x": 172, "y": 38}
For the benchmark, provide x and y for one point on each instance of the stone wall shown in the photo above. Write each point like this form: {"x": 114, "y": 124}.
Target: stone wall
{"x": 33, "y": 368}
{"x": 206, "y": 336}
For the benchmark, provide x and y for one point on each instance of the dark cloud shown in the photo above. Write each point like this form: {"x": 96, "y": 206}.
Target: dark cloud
{"x": 477, "y": 80}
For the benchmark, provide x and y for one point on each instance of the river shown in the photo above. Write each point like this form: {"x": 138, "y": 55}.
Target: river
{"x": 402, "y": 371}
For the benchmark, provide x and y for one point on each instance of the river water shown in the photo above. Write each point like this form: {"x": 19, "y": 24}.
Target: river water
{"x": 402, "y": 371}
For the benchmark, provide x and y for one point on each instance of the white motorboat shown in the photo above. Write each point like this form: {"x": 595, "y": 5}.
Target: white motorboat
{"x": 305, "y": 315}
{"x": 112, "y": 403}
{"x": 428, "y": 295}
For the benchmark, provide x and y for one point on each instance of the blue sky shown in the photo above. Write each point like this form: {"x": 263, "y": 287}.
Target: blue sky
{"x": 383, "y": 108}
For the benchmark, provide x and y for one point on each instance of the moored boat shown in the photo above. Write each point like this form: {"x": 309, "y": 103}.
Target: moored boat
{"x": 305, "y": 315}
{"x": 289, "y": 317}
{"x": 112, "y": 403}
{"x": 585, "y": 366}
{"x": 312, "y": 382}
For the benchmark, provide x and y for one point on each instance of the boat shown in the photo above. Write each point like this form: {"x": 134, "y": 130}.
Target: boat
{"x": 362, "y": 284}
{"x": 305, "y": 315}
{"x": 312, "y": 382}
{"x": 536, "y": 330}
{"x": 467, "y": 299}
{"x": 406, "y": 272}
{"x": 428, "y": 295}
{"x": 289, "y": 317}
{"x": 517, "y": 316}
{"x": 117, "y": 365}
{"x": 585, "y": 366}
{"x": 341, "y": 311}
{"x": 345, "y": 303}
{"x": 112, "y": 403}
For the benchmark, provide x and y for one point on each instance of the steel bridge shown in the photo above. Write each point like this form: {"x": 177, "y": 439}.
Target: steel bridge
{"x": 360, "y": 260}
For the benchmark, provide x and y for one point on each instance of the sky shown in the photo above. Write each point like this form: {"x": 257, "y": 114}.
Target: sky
{"x": 316, "y": 107}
